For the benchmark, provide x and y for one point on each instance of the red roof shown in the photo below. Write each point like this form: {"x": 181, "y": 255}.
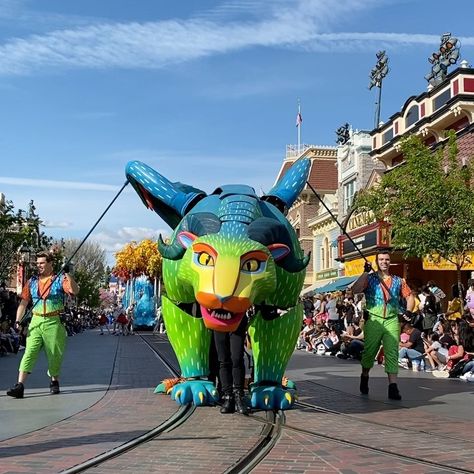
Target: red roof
{"x": 323, "y": 175}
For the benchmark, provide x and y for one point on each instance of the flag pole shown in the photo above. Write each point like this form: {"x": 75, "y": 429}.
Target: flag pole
{"x": 299, "y": 126}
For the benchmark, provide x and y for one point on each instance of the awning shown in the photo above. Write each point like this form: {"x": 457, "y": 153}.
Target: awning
{"x": 313, "y": 289}
{"x": 338, "y": 284}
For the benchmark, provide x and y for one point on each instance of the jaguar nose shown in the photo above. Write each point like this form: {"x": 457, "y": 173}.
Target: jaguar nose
{"x": 223, "y": 299}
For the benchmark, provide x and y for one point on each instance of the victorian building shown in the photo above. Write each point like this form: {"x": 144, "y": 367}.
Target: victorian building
{"x": 357, "y": 169}
{"x": 447, "y": 106}
{"x": 315, "y": 232}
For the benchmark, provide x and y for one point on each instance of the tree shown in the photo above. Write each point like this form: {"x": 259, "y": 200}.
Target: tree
{"x": 429, "y": 201}
{"x": 89, "y": 268}
{"x": 138, "y": 259}
{"x": 17, "y": 229}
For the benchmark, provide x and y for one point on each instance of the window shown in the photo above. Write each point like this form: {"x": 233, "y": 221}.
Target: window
{"x": 412, "y": 116}
{"x": 387, "y": 136}
{"x": 441, "y": 99}
{"x": 326, "y": 254}
{"x": 349, "y": 190}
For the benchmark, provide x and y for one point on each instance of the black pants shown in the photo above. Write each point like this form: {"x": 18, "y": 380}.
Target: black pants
{"x": 230, "y": 352}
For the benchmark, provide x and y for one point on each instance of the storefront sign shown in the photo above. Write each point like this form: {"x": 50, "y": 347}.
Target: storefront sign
{"x": 434, "y": 262}
{"x": 326, "y": 274}
{"x": 373, "y": 236}
{"x": 356, "y": 267}
{"x": 360, "y": 219}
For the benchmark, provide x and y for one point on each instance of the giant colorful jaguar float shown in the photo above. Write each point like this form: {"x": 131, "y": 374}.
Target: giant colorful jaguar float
{"x": 229, "y": 251}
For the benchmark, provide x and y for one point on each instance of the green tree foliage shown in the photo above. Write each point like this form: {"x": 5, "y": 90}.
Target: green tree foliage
{"x": 18, "y": 229}
{"x": 89, "y": 269}
{"x": 429, "y": 201}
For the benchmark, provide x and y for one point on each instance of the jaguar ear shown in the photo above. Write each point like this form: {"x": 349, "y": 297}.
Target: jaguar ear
{"x": 186, "y": 238}
{"x": 278, "y": 251}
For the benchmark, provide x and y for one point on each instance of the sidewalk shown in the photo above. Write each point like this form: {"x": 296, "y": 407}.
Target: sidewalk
{"x": 86, "y": 375}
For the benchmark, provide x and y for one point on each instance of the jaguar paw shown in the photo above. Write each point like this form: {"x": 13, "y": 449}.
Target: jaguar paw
{"x": 197, "y": 392}
{"x": 265, "y": 397}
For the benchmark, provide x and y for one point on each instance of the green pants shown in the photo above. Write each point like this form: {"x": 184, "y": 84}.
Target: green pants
{"x": 47, "y": 333}
{"x": 381, "y": 331}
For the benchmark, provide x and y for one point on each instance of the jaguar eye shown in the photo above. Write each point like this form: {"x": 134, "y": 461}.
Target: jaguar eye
{"x": 251, "y": 265}
{"x": 205, "y": 260}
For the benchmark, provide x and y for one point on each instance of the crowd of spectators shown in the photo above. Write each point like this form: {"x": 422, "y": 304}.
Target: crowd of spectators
{"x": 436, "y": 337}
{"x": 75, "y": 320}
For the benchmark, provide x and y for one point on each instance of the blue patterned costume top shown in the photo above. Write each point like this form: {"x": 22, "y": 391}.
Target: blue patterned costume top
{"x": 376, "y": 299}
{"x": 53, "y": 303}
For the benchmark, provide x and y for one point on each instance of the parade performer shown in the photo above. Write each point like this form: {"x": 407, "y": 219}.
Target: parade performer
{"x": 230, "y": 354}
{"x": 382, "y": 292}
{"x": 45, "y": 330}
{"x": 229, "y": 250}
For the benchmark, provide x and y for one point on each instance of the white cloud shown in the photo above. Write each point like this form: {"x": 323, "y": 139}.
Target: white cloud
{"x": 49, "y": 224}
{"x": 162, "y": 43}
{"x": 113, "y": 241}
{"x": 53, "y": 184}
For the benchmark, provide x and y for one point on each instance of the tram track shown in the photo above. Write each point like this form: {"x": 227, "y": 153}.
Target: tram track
{"x": 413, "y": 431}
{"x": 275, "y": 424}
{"x": 268, "y": 437}
{"x": 359, "y": 445}
{"x": 271, "y": 432}
{"x": 177, "y": 419}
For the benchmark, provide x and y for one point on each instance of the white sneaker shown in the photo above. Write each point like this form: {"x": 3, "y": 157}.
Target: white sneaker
{"x": 463, "y": 377}
{"x": 403, "y": 363}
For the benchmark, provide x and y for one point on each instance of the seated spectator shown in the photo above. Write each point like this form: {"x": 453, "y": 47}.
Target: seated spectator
{"x": 352, "y": 342}
{"x": 435, "y": 352}
{"x": 304, "y": 341}
{"x": 317, "y": 338}
{"x": 332, "y": 342}
{"x": 460, "y": 351}
{"x": 413, "y": 349}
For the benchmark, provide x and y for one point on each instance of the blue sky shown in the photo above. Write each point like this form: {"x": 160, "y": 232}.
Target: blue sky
{"x": 205, "y": 92}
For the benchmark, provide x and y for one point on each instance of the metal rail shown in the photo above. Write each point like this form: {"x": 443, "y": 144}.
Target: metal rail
{"x": 176, "y": 420}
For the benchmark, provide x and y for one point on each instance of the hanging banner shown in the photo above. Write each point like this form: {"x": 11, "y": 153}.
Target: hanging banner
{"x": 356, "y": 267}
{"x": 434, "y": 262}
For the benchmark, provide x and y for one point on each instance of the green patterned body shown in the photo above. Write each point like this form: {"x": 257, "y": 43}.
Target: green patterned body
{"x": 230, "y": 252}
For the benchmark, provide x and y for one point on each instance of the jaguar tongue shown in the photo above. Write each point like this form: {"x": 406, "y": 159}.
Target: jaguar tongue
{"x": 220, "y": 319}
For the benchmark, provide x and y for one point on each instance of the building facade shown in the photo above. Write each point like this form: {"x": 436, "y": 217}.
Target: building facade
{"x": 323, "y": 178}
{"x": 448, "y": 106}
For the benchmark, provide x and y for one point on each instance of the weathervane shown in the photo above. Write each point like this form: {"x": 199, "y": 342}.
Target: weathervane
{"x": 447, "y": 55}
{"x": 377, "y": 75}
{"x": 343, "y": 134}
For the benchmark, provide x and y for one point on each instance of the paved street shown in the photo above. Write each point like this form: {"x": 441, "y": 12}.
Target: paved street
{"x": 108, "y": 399}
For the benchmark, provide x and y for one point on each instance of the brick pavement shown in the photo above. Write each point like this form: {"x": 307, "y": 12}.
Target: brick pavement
{"x": 210, "y": 442}
{"x": 450, "y": 442}
{"x": 127, "y": 410}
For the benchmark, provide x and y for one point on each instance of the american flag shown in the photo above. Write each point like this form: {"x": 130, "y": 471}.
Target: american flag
{"x": 299, "y": 119}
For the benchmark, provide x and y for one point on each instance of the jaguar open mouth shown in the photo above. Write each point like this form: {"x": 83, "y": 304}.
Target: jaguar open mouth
{"x": 221, "y": 319}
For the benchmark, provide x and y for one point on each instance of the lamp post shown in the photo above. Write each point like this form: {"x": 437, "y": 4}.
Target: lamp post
{"x": 24, "y": 266}
{"x": 377, "y": 75}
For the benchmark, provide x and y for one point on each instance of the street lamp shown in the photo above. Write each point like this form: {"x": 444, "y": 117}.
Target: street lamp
{"x": 27, "y": 257}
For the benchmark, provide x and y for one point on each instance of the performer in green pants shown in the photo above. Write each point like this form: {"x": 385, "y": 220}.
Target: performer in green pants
{"x": 382, "y": 327}
{"x": 45, "y": 330}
